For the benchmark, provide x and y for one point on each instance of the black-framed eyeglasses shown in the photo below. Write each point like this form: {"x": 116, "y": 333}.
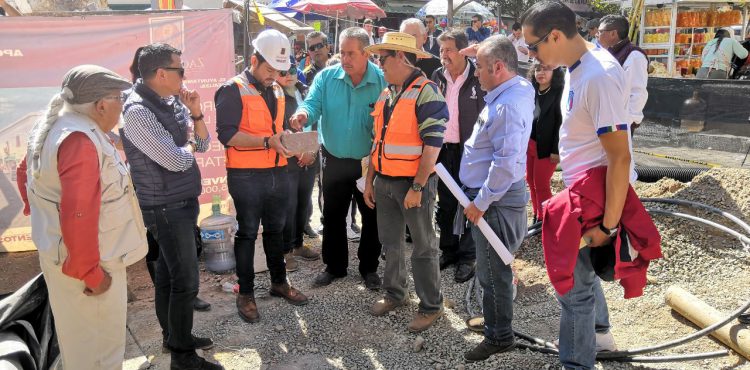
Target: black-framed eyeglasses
{"x": 317, "y": 46}
{"x": 179, "y": 70}
{"x": 122, "y": 97}
{"x": 535, "y": 46}
{"x": 292, "y": 71}
{"x": 599, "y": 32}
{"x": 475, "y": 21}
{"x": 382, "y": 58}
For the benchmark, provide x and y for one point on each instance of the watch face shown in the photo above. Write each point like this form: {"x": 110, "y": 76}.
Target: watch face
{"x": 416, "y": 187}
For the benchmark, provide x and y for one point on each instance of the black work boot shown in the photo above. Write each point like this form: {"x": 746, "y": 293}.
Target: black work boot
{"x": 191, "y": 361}
{"x": 486, "y": 349}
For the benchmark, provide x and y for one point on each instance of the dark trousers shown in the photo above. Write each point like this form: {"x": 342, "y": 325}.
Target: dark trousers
{"x": 172, "y": 226}
{"x": 452, "y": 247}
{"x": 301, "y": 182}
{"x": 260, "y": 196}
{"x": 339, "y": 184}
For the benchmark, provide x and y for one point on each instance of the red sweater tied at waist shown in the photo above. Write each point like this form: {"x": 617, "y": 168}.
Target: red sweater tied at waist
{"x": 581, "y": 207}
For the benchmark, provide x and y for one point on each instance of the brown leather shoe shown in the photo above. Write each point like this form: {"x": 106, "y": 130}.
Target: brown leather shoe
{"x": 422, "y": 321}
{"x": 291, "y": 295}
{"x": 247, "y": 308}
{"x": 385, "y": 305}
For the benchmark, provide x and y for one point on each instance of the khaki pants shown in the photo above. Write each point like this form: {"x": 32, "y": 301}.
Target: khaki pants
{"x": 90, "y": 330}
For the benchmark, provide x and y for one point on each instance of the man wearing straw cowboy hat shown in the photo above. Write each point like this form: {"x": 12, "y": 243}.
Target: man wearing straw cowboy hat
{"x": 410, "y": 118}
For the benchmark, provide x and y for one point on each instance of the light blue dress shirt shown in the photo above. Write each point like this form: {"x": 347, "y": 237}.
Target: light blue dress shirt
{"x": 494, "y": 157}
{"x": 344, "y": 110}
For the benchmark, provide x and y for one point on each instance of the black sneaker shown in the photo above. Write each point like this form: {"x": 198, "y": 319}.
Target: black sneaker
{"x": 372, "y": 281}
{"x": 744, "y": 318}
{"x": 325, "y": 278}
{"x": 199, "y": 343}
{"x": 485, "y": 349}
{"x": 191, "y": 361}
{"x": 464, "y": 272}
{"x": 446, "y": 261}
{"x": 309, "y": 232}
{"x": 201, "y": 305}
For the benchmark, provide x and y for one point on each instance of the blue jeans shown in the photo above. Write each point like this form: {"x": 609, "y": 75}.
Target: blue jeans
{"x": 259, "y": 196}
{"x": 495, "y": 277}
{"x": 584, "y": 313}
{"x": 173, "y": 227}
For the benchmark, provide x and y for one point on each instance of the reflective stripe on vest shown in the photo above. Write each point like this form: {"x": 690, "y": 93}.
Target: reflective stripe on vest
{"x": 397, "y": 146}
{"x": 256, "y": 121}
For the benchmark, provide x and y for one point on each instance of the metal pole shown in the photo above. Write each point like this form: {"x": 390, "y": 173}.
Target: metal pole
{"x": 450, "y": 14}
{"x": 246, "y": 34}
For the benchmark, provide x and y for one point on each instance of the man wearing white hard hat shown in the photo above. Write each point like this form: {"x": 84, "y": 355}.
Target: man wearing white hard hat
{"x": 410, "y": 118}
{"x": 249, "y": 122}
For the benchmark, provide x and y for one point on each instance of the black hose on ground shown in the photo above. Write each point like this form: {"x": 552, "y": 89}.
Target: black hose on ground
{"x": 654, "y": 174}
{"x": 543, "y": 346}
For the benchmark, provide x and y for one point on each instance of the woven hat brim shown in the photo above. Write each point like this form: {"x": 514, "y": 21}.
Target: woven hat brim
{"x": 378, "y": 47}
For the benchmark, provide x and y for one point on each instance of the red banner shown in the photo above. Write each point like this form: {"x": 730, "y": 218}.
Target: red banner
{"x": 35, "y": 53}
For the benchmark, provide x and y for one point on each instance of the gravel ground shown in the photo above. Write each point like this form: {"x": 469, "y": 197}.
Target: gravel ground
{"x": 335, "y": 331}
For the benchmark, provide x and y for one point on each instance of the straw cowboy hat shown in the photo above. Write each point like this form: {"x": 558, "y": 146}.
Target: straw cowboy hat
{"x": 400, "y": 42}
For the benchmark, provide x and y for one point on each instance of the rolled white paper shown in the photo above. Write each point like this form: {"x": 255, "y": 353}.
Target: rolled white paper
{"x": 484, "y": 227}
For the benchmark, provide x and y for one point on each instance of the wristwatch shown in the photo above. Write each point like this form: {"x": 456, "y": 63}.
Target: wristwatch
{"x": 610, "y": 232}
{"x": 417, "y": 187}
{"x": 266, "y": 145}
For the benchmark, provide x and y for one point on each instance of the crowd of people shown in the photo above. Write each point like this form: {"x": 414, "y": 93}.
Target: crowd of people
{"x": 389, "y": 106}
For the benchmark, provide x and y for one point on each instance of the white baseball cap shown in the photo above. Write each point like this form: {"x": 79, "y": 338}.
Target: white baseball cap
{"x": 275, "y": 48}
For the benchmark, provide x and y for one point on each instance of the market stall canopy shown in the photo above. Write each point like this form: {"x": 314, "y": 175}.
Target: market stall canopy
{"x": 462, "y": 10}
{"x": 285, "y": 7}
{"x": 274, "y": 18}
{"x": 354, "y": 9}
{"x": 409, "y": 7}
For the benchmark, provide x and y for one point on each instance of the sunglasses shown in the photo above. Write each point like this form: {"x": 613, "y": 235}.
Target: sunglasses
{"x": 122, "y": 97}
{"x": 535, "y": 46}
{"x": 180, "y": 70}
{"x": 383, "y": 58}
{"x": 317, "y": 46}
{"x": 292, "y": 71}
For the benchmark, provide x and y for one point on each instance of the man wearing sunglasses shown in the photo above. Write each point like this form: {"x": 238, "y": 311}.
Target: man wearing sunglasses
{"x": 594, "y": 134}
{"x": 168, "y": 182}
{"x": 409, "y": 122}
{"x": 613, "y": 35}
{"x": 477, "y": 33}
{"x": 250, "y": 122}
{"x": 319, "y": 53}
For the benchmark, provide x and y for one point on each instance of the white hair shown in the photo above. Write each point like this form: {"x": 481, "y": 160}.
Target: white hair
{"x": 415, "y": 21}
{"x": 39, "y": 132}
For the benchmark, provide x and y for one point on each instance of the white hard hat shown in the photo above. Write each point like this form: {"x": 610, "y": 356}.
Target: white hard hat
{"x": 274, "y": 47}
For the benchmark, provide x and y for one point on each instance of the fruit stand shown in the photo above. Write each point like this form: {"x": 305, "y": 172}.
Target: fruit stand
{"x": 674, "y": 33}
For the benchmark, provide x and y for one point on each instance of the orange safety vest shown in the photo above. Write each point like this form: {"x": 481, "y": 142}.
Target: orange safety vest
{"x": 256, "y": 120}
{"x": 167, "y": 4}
{"x": 397, "y": 146}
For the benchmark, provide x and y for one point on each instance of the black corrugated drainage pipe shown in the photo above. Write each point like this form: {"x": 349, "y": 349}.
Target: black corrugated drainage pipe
{"x": 654, "y": 174}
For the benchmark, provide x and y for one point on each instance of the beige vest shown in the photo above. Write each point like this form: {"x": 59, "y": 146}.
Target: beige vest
{"x": 122, "y": 234}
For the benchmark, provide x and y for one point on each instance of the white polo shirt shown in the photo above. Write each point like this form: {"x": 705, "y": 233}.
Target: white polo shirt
{"x": 594, "y": 102}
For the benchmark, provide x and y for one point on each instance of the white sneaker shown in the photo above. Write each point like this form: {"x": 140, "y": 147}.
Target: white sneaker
{"x": 351, "y": 234}
{"x": 604, "y": 342}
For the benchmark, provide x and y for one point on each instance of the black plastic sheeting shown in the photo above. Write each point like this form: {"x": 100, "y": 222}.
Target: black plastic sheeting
{"x": 27, "y": 335}
{"x": 727, "y": 102}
